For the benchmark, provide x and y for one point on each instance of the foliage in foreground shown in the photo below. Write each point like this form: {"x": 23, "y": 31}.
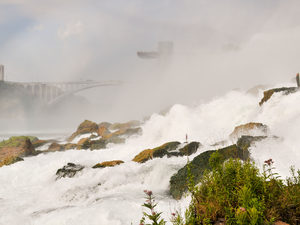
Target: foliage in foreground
{"x": 236, "y": 192}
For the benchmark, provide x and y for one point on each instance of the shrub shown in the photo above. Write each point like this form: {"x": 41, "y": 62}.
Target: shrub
{"x": 235, "y": 192}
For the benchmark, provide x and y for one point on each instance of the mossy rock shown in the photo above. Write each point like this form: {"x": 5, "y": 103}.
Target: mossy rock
{"x": 178, "y": 182}
{"x": 17, "y": 141}
{"x": 190, "y": 148}
{"x": 108, "y": 164}
{"x": 10, "y": 160}
{"x": 157, "y": 152}
{"x": 84, "y": 128}
{"x": 268, "y": 94}
{"x": 14, "y": 148}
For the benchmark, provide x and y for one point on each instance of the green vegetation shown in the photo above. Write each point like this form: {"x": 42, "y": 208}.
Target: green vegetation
{"x": 179, "y": 183}
{"x": 236, "y": 192}
{"x": 17, "y": 141}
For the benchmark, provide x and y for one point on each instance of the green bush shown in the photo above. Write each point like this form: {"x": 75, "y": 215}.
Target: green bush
{"x": 235, "y": 192}
{"x": 238, "y": 193}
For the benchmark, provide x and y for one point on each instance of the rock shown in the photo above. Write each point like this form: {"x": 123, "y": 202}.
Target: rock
{"x": 84, "y": 143}
{"x": 268, "y": 94}
{"x": 122, "y": 126}
{"x": 69, "y": 170}
{"x": 54, "y": 147}
{"x": 104, "y": 124}
{"x": 103, "y": 131}
{"x": 178, "y": 182}
{"x": 69, "y": 146}
{"x": 14, "y": 148}
{"x": 10, "y": 160}
{"x": 248, "y": 129}
{"x": 98, "y": 144}
{"x": 158, "y": 152}
{"x": 245, "y": 142}
{"x": 39, "y": 143}
{"x": 84, "y": 128}
{"x": 190, "y": 148}
{"x": 108, "y": 164}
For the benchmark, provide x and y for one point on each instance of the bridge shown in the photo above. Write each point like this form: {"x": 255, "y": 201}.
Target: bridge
{"x": 52, "y": 92}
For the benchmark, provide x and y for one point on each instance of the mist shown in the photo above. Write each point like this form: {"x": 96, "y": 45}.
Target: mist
{"x": 218, "y": 46}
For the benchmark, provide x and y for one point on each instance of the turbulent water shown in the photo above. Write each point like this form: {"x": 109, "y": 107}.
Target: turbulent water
{"x": 29, "y": 193}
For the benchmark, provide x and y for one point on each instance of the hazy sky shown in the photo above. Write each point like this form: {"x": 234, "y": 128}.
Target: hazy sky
{"x": 219, "y": 45}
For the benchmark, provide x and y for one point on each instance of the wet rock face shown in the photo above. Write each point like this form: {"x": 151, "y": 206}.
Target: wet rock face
{"x": 248, "y": 129}
{"x": 14, "y": 148}
{"x": 108, "y": 164}
{"x": 55, "y": 147}
{"x": 285, "y": 90}
{"x": 158, "y": 152}
{"x": 69, "y": 170}
{"x": 190, "y": 148}
{"x": 84, "y": 128}
{"x": 168, "y": 149}
{"x": 178, "y": 182}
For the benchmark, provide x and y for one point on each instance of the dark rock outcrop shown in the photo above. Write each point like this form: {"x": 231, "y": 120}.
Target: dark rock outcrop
{"x": 178, "y": 182}
{"x": 158, "y": 152}
{"x": 68, "y": 170}
{"x": 190, "y": 148}
{"x": 268, "y": 94}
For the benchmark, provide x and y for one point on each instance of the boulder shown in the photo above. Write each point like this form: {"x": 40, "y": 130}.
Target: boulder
{"x": 84, "y": 128}
{"x": 54, "y": 147}
{"x": 38, "y": 143}
{"x": 103, "y": 131}
{"x": 86, "y": 143}
{"x": 14, "y": 148}
{"x": 10, "y": 160}
{"x": 190, "y": 148}
{"x": 108, "y": 164}
{"x": 248, "y": 129}
{"x": 268, "y": 94}
{"x": 68, "y": 170}
{"x": 158, "y": 152}
{"x": 104, "y": 124}
{"x": 98, "y": 144}
{"x": 178, "y": 182}
{"x": 121, "y": 126}
{"x": 69, "y": 146}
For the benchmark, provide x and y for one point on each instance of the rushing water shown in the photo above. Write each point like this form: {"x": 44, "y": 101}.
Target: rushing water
{"x": 29, "y": 193}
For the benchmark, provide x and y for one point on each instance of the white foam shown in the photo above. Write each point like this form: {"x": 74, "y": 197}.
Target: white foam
{"x": 29, "y": 193}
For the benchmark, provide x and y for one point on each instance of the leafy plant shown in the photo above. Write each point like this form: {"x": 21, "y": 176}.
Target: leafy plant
{"x": 154, "y": 217}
